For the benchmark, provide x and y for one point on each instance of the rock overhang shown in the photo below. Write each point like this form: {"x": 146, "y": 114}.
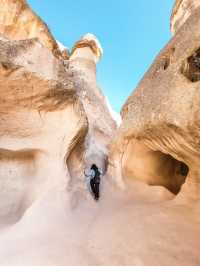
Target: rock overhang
{"x": 39, "y": 72}
{"x": 163, "y": 115}
{"x": 89, "y": 40}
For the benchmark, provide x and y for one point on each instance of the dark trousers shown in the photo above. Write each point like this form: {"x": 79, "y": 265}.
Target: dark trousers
{"x": 95, "y": 188}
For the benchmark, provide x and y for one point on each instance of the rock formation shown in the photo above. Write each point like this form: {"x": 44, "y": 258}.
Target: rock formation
{"x": 40, "y": 91}
{"x": 161, "y": 117}
{"x": 158, "y": 141}
{"x": 19, "y": 22}
{"x": 51, "y": 131}
{"x": 181, "y": 12}
{"x": 38, "y": 101}
{"x": 55, "y": 122}
{"x": 82, "y": 63}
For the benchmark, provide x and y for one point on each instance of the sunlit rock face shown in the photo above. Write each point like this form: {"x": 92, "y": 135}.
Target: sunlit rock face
{"x": 38, "y": 103}
{"x": 158, "y": 145}
{"x": 161, "y": 117}
{"x": 55, "y": 122}
{"x": 181, "y": 12}
{"x": 63, "y": 93}
{"x": 82, "y": 63}
{"x": 19, "y": 22}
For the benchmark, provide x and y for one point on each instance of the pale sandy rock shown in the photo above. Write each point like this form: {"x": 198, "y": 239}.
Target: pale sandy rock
{"x": 53, "y": 120}
{"x": 157, "y": 143}
{"x": 88, "y": 41}
{"x": 124, "y": 228}
{"x": 19, "y": 22}
{"x": 82, "y": 145}
{"x": 85, "y": 54}
{"x": 161, "y": 117}
{"x": 38, "y": 102}
{"x": 182, "y": 10}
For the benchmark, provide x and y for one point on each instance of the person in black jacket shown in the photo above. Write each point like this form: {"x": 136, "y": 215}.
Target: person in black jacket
{"x": 95, "y": 181}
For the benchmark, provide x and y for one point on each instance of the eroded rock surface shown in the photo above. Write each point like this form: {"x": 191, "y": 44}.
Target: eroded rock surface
{"x": 158, "y": 141}
{"x": 61, "y": 88}
{"x": 38, "y": 102}
{"x": 82, "y": 63}
{"x": 181, "y": 12}
{"x": 18, "y": 22}
{"x": 55, "y": 122}
{"x": 161, "y": 117}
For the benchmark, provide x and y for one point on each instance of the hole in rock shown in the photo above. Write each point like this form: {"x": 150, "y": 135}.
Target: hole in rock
{"x": 191, "y": 67}
{"x": 163, "y": 64}
{"x": 153, "y": 167}
{"x": 165, "y": 60}
{"x": 166, "y": 63}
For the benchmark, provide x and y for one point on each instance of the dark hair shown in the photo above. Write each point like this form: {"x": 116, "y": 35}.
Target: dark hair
{"x": 94, "y": 167}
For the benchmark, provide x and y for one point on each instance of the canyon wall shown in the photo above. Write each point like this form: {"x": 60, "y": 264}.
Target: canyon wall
{"x": 19, "y": 22}
{"x": 101, "y": 125}
{"x": 158, "y": 141}
{"x": 49, "y": 116}
{"x": 55, "y": 122}
{"x": 182, "y": 10}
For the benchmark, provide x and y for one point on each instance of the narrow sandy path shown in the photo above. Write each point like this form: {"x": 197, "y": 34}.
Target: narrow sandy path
{"x": 133, "y": 228}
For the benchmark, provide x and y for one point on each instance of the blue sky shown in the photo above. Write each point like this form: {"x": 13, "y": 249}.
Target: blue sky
{"x": 131, "y": 33}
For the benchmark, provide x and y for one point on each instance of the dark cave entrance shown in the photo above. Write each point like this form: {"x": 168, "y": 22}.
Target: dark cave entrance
{"x": 191, "y": 67}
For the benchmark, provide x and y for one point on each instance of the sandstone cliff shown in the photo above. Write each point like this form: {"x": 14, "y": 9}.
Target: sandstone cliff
{"x": 158, "y": 141}
{"x": 55, "y": 122}
{"x": 181, "y": 12}
{"x": 38, "y": 100}
{"x": 19, "y": 22}
{"x": 41, "y": 87}
{"x": 82, "y": 63}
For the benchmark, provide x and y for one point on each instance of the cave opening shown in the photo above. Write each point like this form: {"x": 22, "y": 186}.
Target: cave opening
{"x": 180, "y": 175}
{"x": 191, "y": 67}
{"x": 153, "y": 167}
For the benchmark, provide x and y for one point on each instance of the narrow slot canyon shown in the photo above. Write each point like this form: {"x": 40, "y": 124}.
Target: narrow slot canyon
{"x": 82, "y": 183}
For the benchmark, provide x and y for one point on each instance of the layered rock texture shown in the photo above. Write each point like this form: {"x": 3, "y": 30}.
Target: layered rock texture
{"x": 19, "y": 22}
{"x": 55, "y": 122}
{"x": 182, "y": 10}
{"x": 158, "y": 141}
{"x": 82, "y": 64}
{"x": 161, "y": 117}
{"x": 38, "y": 102}
{"x": 51, "y": 130}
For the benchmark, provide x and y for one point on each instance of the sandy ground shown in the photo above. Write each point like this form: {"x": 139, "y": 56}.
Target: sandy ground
{"x": 135, "y": 227}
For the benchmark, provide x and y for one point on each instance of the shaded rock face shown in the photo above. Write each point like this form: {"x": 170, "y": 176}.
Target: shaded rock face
{"x": 161, "y": 117}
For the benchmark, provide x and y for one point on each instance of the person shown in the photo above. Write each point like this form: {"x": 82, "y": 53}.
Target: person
{"x": 94, "y": 180}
